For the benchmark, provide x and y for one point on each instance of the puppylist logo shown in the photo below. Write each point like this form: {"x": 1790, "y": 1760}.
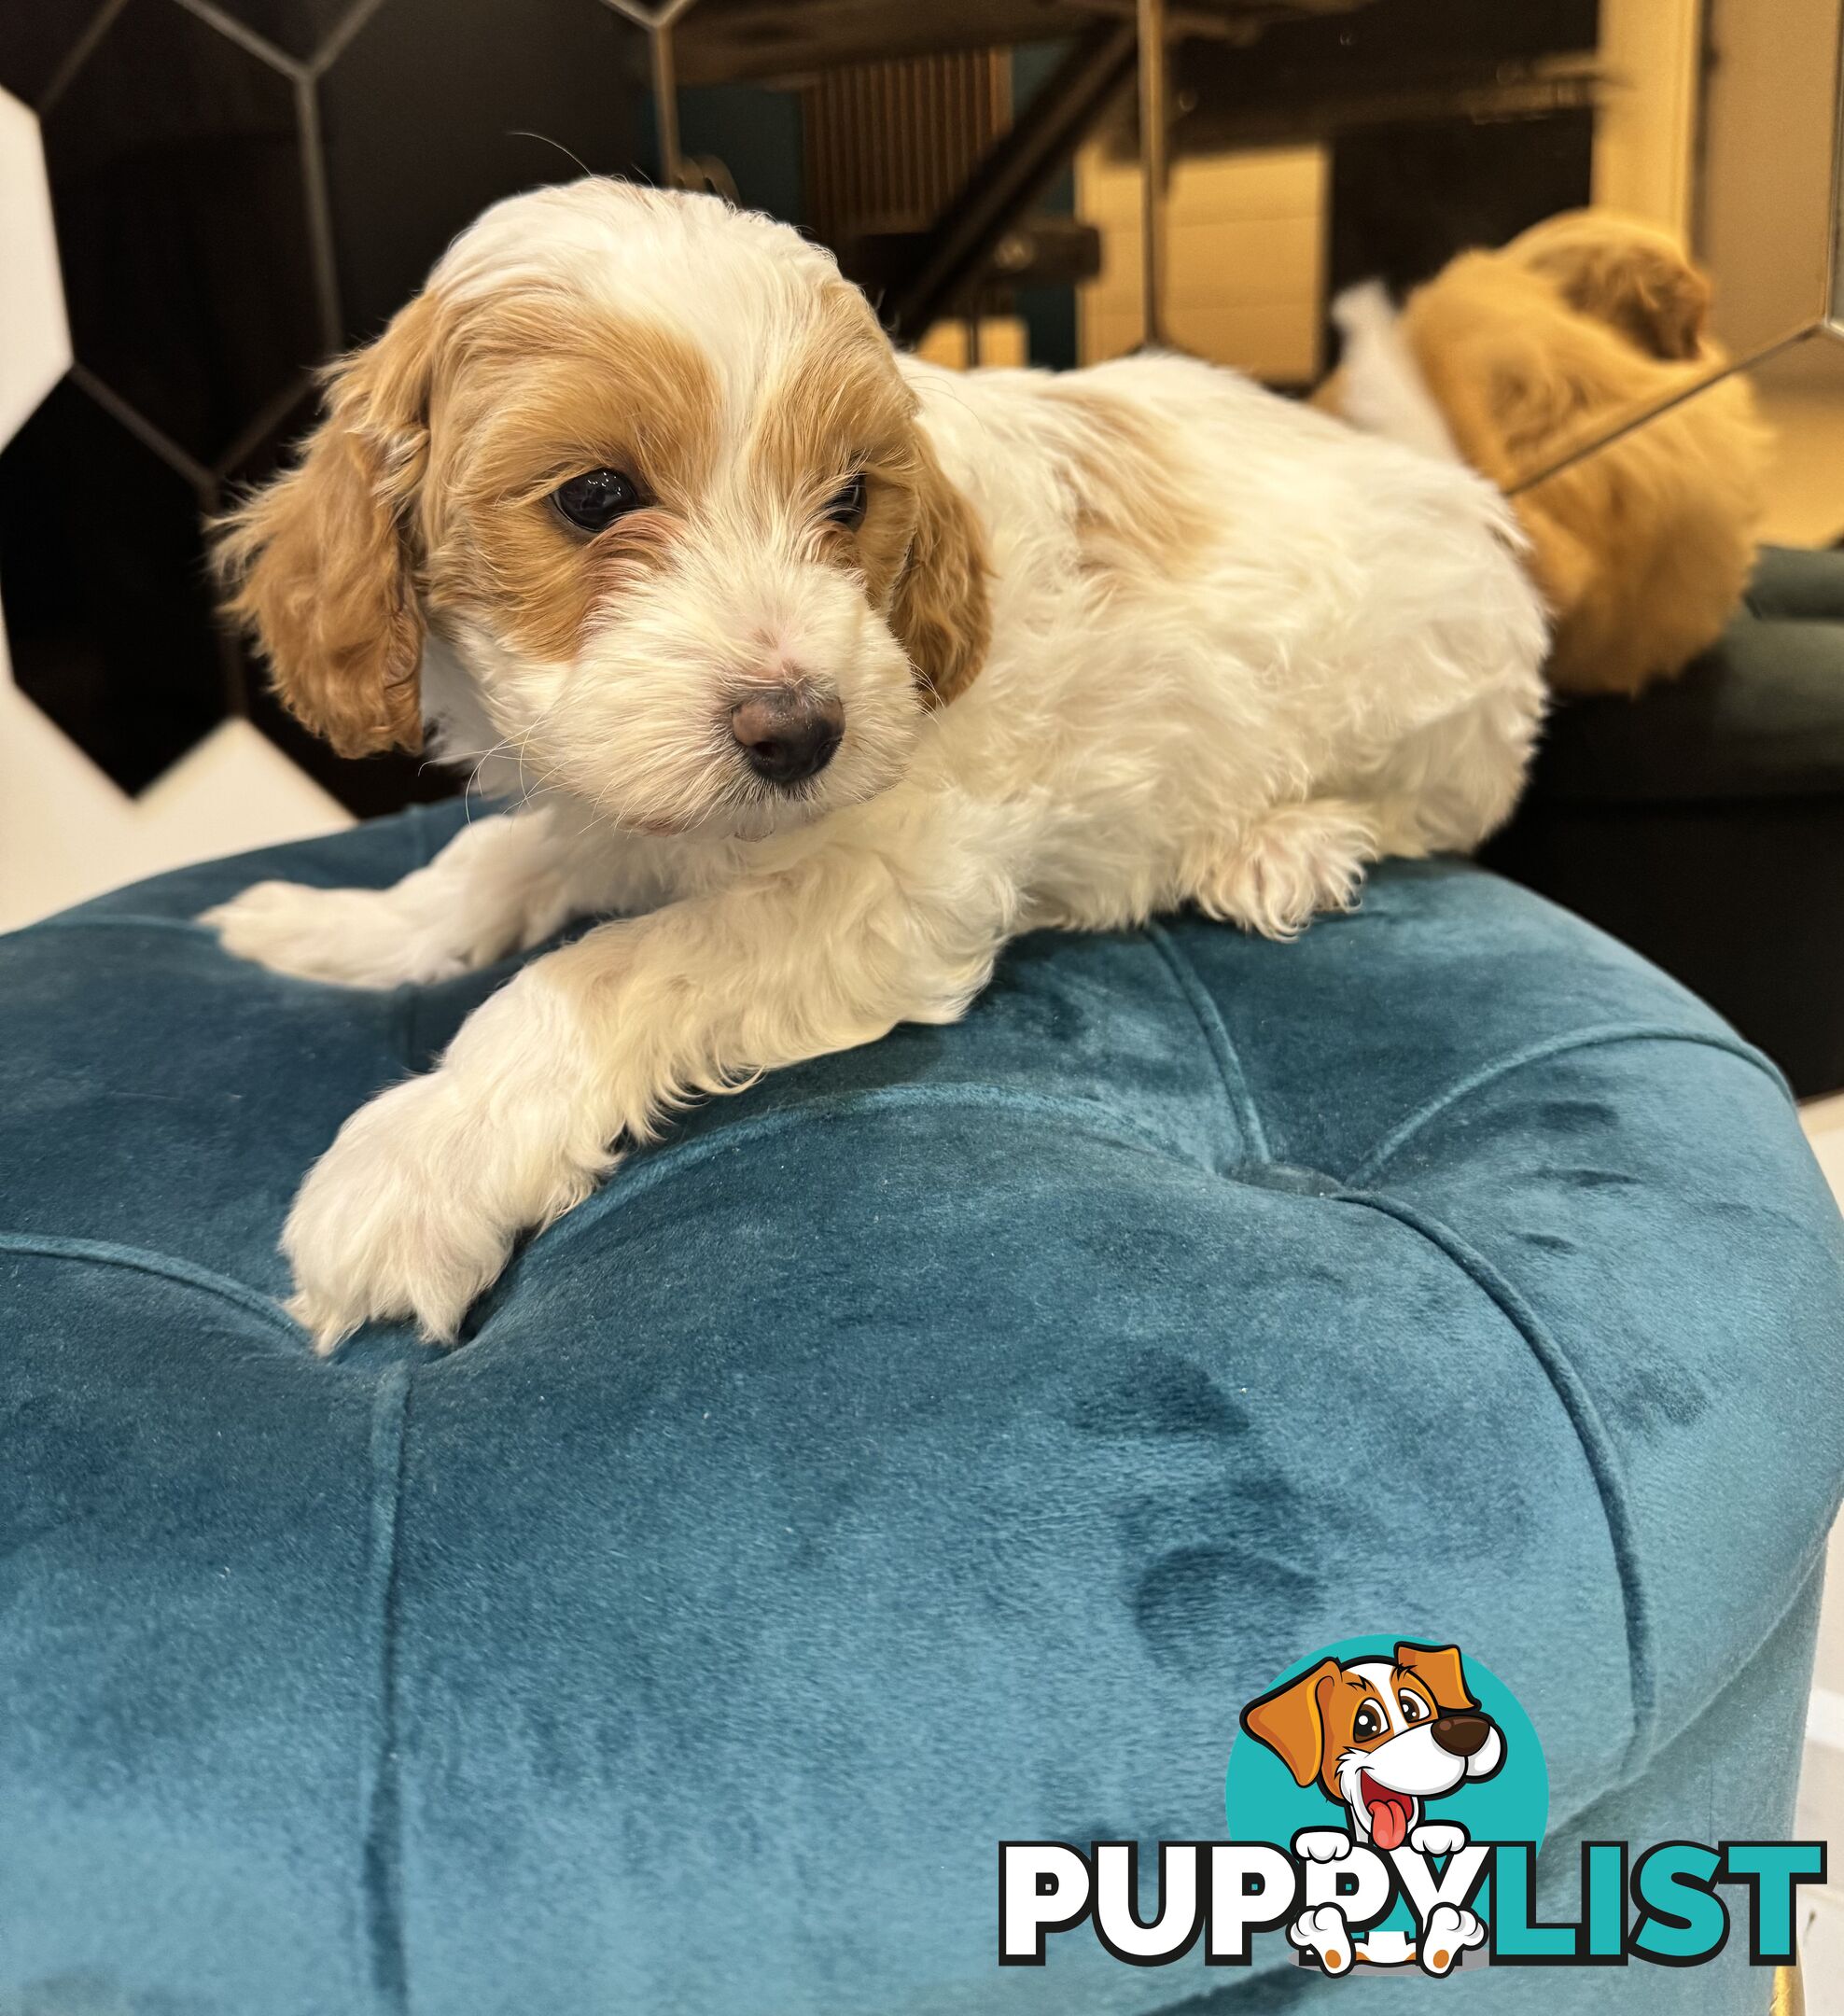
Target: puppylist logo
{"x": 1386, "y": 1801}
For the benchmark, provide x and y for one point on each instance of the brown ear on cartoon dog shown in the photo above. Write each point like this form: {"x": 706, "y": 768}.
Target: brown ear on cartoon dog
{"x": 1442, "y": 1672}
{"x": 1290, "y": 1722}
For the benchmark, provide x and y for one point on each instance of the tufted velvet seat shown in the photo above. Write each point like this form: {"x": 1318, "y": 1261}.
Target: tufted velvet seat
{"x": 934, "y": 1444}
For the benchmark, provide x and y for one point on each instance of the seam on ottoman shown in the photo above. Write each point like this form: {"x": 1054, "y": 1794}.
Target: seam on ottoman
{"x": 1254, "y": 1142}
{"x": 381, "y": 1896}
{"x": 1596, "y": 1445}
{"x": 1593, "y": 1039}
{"x": 1812, "y": 1563}
{"x": 163, "y": 1267}
{"x": 636, "y": 1176}
{"x": 405, "y": 1018}
{"x": 121, "y": 919}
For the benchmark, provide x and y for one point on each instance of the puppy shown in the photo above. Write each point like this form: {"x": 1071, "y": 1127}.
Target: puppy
{"x": 1643, "y": 548}
{"x": 1380, "y": 1739}
{"x": 821, "y": 673}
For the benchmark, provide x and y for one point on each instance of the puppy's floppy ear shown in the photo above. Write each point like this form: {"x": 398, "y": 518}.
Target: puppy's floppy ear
{"x": 941, "y": 613}
{"x": 1290, "y": 1722}
{"x": 1441, "y": 1670}
{"x": 1643, "y": 287}
{"x": 319, "y": 564}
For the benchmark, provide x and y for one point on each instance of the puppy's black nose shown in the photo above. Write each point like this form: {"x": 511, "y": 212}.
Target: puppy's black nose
{"x": 1460, "y": 1735}
{"x": 788, "y": 733}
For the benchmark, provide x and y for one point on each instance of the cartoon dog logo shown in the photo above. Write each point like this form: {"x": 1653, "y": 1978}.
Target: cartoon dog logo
{"x": 1381, "y": 1737}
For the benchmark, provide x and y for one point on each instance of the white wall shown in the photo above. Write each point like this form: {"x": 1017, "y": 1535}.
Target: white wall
{"x": 66, "y": 831}
{"x": 1245, "y": 248}
{"x": 1646, "y": 131}
{"x": 1765, "y": 216}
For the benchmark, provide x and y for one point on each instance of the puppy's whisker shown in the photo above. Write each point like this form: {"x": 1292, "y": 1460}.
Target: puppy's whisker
{"x": 522, "y": 132}
{"x": 481, "y": 763}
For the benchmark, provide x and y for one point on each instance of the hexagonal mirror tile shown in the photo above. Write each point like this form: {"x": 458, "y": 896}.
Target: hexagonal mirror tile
{"x": 108, "y": 614}
{"x": 38, "y": 43}
{"x": 297, "y": 28}
{"x": 178, "y": 187}
{"x": 470, "y": 84}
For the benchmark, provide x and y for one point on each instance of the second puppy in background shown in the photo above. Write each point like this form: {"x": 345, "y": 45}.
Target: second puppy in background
{"x": 1643, "y": 548}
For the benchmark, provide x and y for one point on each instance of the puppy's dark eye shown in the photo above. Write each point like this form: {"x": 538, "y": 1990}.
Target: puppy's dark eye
{"x": 597, "y": 498}
{"x": 845, "y": 506}
{"x": 1366, "y": 1723}
{"x": 1414, "y": 1708}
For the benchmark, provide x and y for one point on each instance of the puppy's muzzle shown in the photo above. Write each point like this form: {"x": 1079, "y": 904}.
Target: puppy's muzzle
{"x": 1461, "y": 1735}
{"x": 787, "y": 733}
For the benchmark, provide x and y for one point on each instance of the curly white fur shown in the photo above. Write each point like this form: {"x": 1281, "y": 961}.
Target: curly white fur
{"x": 1341, "y": 664}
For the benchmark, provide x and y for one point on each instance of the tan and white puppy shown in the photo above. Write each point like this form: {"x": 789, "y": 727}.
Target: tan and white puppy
{"x": 822, "y": 673}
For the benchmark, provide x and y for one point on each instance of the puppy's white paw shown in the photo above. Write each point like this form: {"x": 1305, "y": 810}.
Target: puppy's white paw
{"x": 1448, "y": 1934}
{"x": 1323, "y": 1931}
{"x": 1435, "y": 1839}
{"x": 413, "y": 1209}
{"x": 346, "y": 936}
{"x": 1294, "y": 862}
{"x": 1321, "y": 1844}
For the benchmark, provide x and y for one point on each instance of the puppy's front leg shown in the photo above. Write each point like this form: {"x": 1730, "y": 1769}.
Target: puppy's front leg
{"x": 413, "y": 1209}
{"x": 502, "y": 885}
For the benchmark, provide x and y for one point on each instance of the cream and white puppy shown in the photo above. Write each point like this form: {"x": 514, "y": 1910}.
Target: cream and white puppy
{"x": 821, "y": 672}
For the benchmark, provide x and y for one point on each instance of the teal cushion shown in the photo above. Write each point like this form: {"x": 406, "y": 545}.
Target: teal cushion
{"x": 934, "y": 1444}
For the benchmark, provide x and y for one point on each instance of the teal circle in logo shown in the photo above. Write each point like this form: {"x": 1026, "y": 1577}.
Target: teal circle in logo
{"x": 1262, "y": 1802}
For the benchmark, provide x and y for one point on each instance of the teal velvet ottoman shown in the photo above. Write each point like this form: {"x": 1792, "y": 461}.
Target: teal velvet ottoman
{"x": 933, "y": 1446}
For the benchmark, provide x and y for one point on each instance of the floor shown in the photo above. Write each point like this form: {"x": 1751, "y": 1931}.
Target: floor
{"x": 1821, "y": 1788}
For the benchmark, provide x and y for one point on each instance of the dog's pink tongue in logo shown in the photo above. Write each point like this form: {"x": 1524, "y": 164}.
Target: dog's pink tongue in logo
{"x": 1390, "y": 1815}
